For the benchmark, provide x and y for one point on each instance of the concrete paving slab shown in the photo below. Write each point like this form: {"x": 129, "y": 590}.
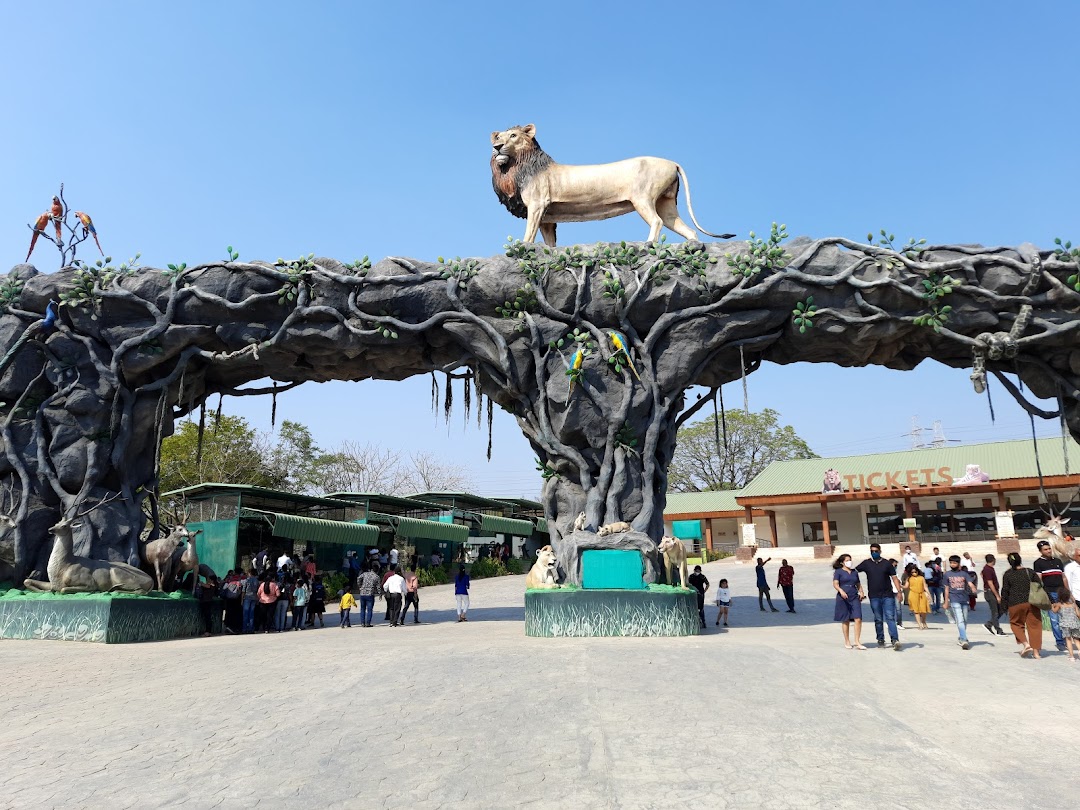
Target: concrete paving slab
{"x": 772, "y": 712}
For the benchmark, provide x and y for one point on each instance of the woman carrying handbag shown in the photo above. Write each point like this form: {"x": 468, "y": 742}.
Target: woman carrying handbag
{"x": 1023, "y": 595}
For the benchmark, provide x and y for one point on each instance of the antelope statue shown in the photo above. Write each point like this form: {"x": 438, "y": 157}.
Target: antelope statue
{"x": 187, "y": 560}
{"x": 158, "y": 554}
{"x": 71, "y": 574}
{"x": 1064, "y": 545}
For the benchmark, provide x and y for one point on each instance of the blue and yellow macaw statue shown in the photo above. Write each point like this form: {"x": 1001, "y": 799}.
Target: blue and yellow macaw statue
{"x": 575, "y": 370}
{"x": 621, "y": 344}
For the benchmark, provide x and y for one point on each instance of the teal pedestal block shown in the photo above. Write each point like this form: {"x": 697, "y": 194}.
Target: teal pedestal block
{"x": 659, "y": 610}
{"x": 612, "y": 569}
{"x": 103, "y": 618}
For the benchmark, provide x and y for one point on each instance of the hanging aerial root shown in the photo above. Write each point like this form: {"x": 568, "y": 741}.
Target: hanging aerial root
{"x": 491, "y": 419}
{"x": 217, "y": 416}
{"x": 1064, "y": 429}
{"x": 273, "y": 405}
{"x": 202, "y": 430}
{"x": 723, "y": 418}
{"x": 467, "y": 398}
{"x": 434, "y": 395}
{"x": 745, "y": 393}
{"x": 448, "y": 402}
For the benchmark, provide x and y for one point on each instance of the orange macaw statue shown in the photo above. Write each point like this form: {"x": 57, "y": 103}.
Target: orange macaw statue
{"x": 39, "y": 227}
{"x": 57, "y": 212}
{"x": 88, "y": 228}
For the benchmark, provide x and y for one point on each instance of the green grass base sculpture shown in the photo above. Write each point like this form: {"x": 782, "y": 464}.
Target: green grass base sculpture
{"x": 659, "y": 610}
{"x": 104, "y": 618}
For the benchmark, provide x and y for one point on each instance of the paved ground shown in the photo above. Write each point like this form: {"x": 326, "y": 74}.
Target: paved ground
{"x": 772, "y": 713}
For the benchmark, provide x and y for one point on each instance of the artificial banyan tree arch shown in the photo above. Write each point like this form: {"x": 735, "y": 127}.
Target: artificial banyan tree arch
{"x": 590, "y": 348}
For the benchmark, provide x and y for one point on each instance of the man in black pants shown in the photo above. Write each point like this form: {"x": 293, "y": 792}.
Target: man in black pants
{"x": 763, "y": 586}
{"x": 785, "y": 580}
{"x": 699, "y": 583}
{"x": 992, "y": 595}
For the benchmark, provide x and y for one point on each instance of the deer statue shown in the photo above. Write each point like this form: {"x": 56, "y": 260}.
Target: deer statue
{"x": 71, "y": 574}
{"x": 158, "y": 554}
{"x": 187, "y": 560}
{"x": 1053, "y": 530}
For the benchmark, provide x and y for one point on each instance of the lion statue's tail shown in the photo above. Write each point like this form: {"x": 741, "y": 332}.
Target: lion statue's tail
{"x": 690, "y": 208}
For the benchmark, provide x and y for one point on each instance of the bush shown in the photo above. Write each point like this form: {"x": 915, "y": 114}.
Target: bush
{"x": 433, "y": 576}
{"x": 334, "y": 583}
{"x": 514, "y": 566}
{"x": 487, "y": 567}
{"x": 713, "y": 556}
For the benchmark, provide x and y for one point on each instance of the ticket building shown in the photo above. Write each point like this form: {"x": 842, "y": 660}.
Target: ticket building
{"x": 979, "y": 493}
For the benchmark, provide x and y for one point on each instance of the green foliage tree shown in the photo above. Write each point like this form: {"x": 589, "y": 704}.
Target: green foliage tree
{"x": 754, "y": 441}
{"x": 233, "y": 452}
{"x": 294, "y": 459}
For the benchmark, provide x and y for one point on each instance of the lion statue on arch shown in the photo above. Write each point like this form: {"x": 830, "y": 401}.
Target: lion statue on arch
{"x": 535, "y": 188}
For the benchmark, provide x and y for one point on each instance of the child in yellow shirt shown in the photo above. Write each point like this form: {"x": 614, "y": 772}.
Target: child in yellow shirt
{"x": 347, "y": 604}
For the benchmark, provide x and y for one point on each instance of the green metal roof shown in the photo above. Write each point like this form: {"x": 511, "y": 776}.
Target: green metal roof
{"x": 523, "y": 503}
{"x": 693, "y": 502}
{"x": 541, "y": 525}
{"x": 208, "y": 488}
{"x": 317, "y": 530}
{"x": 462, "y": 500}
{"x": 418, "y": 528}
{"x": 376, "y": 498}
{"x": 999, "y": 460}
{"x": 505, "y": 525}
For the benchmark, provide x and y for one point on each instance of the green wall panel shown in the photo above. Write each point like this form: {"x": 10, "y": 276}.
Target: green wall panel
{"x": 611, "y": 568}
{"x": 217, "y": 544}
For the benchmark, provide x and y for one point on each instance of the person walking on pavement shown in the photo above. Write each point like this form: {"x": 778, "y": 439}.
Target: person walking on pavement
{"x": 347, "y": 604}
{"x": 880, "y": 582}
{"x": 461, "y": 594}
{"x": 918, "y": 597}
{"x": 910, "y": 557}
{"x": 849, "y": 596}
{"x": 958, "y": 588}
{"x": 368, "y": 587}
{"x": 992, "y": 595}
{"x": 394, "y": 587}
{"x": 763, "y": 586}
{"x": 700, "y": 583}
{"x": 412, "y": 597}
{"x": 1025, "y": 620}
{"x": 1051, "y": 572}
{"x": 933, "y": 584}
{"x": 785, "y": 581}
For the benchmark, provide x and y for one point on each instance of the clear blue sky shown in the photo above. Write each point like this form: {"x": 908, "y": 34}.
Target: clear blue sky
{"x": 347, "y": 129}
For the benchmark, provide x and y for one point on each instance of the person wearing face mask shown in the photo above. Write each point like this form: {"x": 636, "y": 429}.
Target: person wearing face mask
{"x": 849, "y": 596}
{"x": 880, "y": 583}
{"x": 958, "y": 589}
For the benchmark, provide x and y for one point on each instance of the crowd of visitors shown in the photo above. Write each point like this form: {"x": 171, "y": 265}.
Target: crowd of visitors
{"x": 1022, "y": 593}
{"x": 286, "y": 593}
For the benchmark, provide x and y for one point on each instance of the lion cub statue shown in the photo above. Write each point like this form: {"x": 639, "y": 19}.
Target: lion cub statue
{"x": 674, "y": 557}
{"x": 545, "y": 571}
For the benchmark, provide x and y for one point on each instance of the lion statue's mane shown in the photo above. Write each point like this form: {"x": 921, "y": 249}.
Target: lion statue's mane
{"x": 508, "y": 180}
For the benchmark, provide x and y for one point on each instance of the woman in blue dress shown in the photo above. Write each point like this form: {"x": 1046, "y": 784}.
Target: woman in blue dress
{"x": 849, "y": 596}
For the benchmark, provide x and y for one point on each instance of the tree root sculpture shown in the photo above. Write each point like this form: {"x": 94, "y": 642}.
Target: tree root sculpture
{"x": 629, "y": 326}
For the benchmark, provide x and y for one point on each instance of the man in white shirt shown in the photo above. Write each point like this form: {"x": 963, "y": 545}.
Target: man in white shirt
{"x": 283, "y": 561}
{"x": 1072, "y": 574}
{"x": 393, "y": 557}
{"x": 910, "y": 558}
{"x": 394, "y": 588}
